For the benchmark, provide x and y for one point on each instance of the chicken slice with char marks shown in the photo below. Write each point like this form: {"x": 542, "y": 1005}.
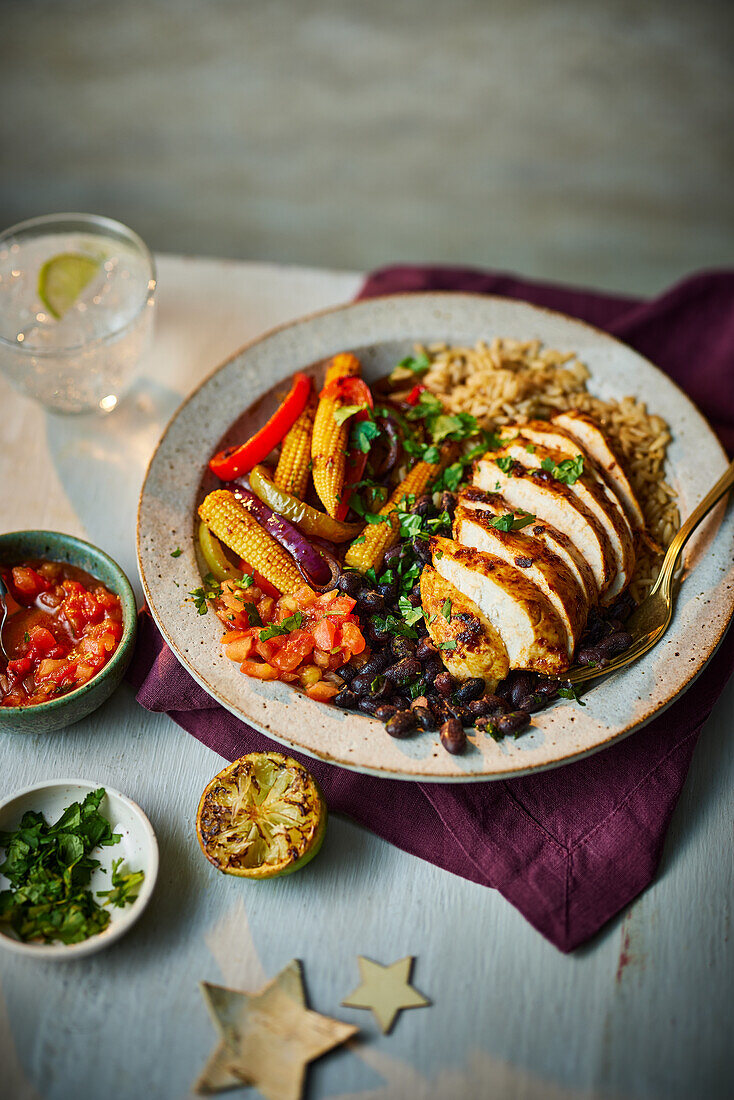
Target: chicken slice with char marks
{"x": 473, "y": 527}
{"x": 587, "y": 433}
{"x": 592, "y": 494}
{"x": 474, "y": 647}
{"x": 552, "y": 502}
{"x": 556, "y": 541}
{"x": 530, "y": 628}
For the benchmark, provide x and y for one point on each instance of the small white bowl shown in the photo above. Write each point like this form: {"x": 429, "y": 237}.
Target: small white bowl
{"x": 138, "y": 847}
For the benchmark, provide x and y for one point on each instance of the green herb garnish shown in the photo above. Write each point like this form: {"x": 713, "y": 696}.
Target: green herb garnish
{"x": 505, "y": 464}
{"x": 510, "y": 522}
{"x": 293, "y": 622}
{"x": 568, "y": 471}
{"x": 343, "y": 412}
{"x": 363, "y": 432}
{"x": 210, "y": 590}
{"x": 446, "y": 610}
{"x": 177, "y": 552}
{"x": 451, "y": 644}
{"x": 569, "y": 692}
{"x": 49, "y": 868}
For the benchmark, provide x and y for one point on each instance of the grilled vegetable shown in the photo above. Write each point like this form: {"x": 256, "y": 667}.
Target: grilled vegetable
{"x": 313, "y": 523}
{"x": 330, "y": 440}
{"x": 369, "y": 551}
{"x": 213, "y": 553}
{"x": 236, "y": 461}
{"x": 233, "y": 524}
{"x": 311, "y": 564}
{"x": 293, "y": 469}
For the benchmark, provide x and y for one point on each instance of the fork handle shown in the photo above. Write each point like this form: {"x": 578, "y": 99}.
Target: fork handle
{"x": 714, "y": 495}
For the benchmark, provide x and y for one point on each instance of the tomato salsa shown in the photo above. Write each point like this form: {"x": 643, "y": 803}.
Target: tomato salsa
{"x": 62, "y": 627}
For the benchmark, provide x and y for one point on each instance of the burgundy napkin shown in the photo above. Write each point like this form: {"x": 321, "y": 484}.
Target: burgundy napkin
{"x": 571, "y": 847}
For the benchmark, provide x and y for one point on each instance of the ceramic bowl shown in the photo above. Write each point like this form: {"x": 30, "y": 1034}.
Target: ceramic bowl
{"x": 17, "y": 546}
{"x": 138, "y": 848}
{"x": 380, "y": 331}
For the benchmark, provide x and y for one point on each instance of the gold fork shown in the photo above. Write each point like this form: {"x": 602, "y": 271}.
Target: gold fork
{"x": 652, "y": 618}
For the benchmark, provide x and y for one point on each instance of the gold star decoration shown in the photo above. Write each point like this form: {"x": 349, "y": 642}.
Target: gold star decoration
{"x": 386, "y": 990}
{"x": 267, "y": 1038}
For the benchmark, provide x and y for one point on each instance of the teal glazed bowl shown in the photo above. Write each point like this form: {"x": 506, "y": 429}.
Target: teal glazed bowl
{"x": 18, "y": 546}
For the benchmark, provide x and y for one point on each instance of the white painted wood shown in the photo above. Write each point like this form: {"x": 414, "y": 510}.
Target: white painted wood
{"x": 645, "y": 1011}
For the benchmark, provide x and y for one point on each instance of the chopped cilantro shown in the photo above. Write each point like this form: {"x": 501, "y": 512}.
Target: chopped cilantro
{"x": 428, "y": 406}
{"x": 530, "y": 448}
{"x": 410, "y": 614}
{"x": 253, "y": 615}
{"x": 371, "y": 575}
{"x": 510, "y": 522}
{"x": 505, "y": 464}
{"x": 418, "y": 364}
{"x": 451, "y": 644}
{"x": 49, "y": 869}
{"x": 446, "y": 610}
{"x": 210, "y": 590}
{"x": 177, "y": 552}
{"x": 125, "y": 888}
{"x": 431, "y": 454}
{"x": 293, "y": 622}
{"x": 569, "y": 692}
{"x": 26, "y": 637}
{"x": 359, "y": 541}
{"x": 568, "y": 471}
{"x": 363, "y": 432}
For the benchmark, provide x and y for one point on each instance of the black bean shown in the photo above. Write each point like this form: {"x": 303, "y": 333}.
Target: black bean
{"x": 347, "y": 672}
{"x": 531, "y": 703}
{"x": 471, "y": 689}
{"x": 523, "y": 685}
{"x": 371, "y": 602}
{"x": 452, "y": 736}
{"x": 369, "y": 706}
{"x": 425, "y": 649}
{"x": 385, "y": 711}
{"x": 622, "y": 607}
{"x": 402, "y": 647}
{"x": 351, "y": 583}
{"x": 414, "y": 596}
{"x": 424, "y": 506}
{"x": 548, "y": 689}
{"x": 421, "y": 549}
{"x": 488, "y": 706}
{"x": 383, "y": 691}
{"x": 346, "y": 699}
{"x": 405, "y": 670}
{"x": 513, "y": 723}
{"x": 426, "y": 718}
{"x": 401, "y": 723}
{"x": 603, "y": 650}
{"x": 388, "y": 591}
{"x": 448, "y": 502}
{"x": 401, "y": 701}
{"x": 444, "y": 683}
{"x": 377, "y": 633}
{"x": 595, "y": 630}
{"x": 392, "y": 555}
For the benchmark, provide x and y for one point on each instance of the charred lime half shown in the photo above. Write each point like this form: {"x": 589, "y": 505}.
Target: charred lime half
{"x": 261, "y": 817}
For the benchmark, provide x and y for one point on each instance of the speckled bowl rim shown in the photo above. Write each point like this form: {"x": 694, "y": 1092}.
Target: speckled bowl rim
{"x": 63, "y": 952}
{"x": 129, "y": 620}
{"x": 452, "y": 766}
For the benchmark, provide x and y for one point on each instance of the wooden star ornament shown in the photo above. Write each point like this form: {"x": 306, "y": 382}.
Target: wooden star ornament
{"x": 267, "y": 1038}
{"x": 386, "y": 990}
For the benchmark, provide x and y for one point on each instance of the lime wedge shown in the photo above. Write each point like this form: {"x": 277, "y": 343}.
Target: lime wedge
{"x": 62, "y": 279}
{"x": 261, "y": 817}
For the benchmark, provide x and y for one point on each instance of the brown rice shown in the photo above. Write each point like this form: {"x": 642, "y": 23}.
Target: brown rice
{"x": 507, "y": 380}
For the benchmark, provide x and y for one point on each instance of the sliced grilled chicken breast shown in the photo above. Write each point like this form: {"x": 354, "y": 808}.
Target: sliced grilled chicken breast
{"x": 521, "y": 614}
{"x": 593, "y": 495}
{"x": 589, "y": 435}
{"x": 536, "y": 492}
{"x": 556, "y": 438}
{"x": 556, "y": 541}
{"x": 473, "y": 527}
{"x": 468, "y": 643}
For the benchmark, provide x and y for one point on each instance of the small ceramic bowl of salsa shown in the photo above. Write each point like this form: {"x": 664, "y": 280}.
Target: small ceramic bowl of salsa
{"x": 69, "y": 633}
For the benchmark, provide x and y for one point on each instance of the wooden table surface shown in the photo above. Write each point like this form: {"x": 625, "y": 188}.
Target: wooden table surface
{"x": 644, "y": 1011}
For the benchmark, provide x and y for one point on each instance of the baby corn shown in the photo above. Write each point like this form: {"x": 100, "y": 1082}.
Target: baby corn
{"x": 291, "y": 473}
{"x": 330, "y": 440}
{"x": 229, "y": 521}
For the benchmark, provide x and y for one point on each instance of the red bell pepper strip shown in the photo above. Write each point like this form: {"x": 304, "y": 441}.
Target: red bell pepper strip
{"x": 236, "y": 461}
{"x": 350, "y": 391}
{"x": 415, "y": 394}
